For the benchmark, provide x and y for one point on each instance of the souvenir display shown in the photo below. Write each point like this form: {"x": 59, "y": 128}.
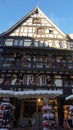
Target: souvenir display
{"x": 48, "y": 117}
{"x": 6, "y": 114}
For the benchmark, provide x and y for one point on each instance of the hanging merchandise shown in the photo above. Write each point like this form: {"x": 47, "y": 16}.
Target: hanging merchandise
{"x": 48, "y": 116}
{"x": 71, "y": 109}
{"x": 6, "y": 114}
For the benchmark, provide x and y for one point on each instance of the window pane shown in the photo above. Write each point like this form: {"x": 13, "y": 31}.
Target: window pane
{"x": 40, "y": 44}
{"x": 27, "y": 42}
{"x": 46, "y": 44}
{"x": 36, "y": 43}
{"x": 20, "y": 42}
{"x": 15, "y": 42}
{"x": 9, "y": 42}
{"x": 36, "y": 21}
{"x": 41, "y": 31}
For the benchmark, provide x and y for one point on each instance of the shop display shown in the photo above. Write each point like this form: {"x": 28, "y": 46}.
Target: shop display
{"x": 6, "y": 114}
{"x": 48, "y": 115}
{"x": 67, "y": 112}
{"x": 71, "y": 109}
{"x": 68, "y": 116}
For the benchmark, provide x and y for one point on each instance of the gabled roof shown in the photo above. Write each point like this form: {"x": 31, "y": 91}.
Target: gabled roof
{"x": 27, "y": 16}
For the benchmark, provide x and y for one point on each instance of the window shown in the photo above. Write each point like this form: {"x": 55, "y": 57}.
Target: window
{"x": 41, "y": 31}
{"x": 36, "y": 21}
{"x": 71, "y": 45}
{"x": 28, "y": 80}
{"x": 9, "y": 42}
{"x": 58, "y": 81}
{"x": 27, "y": 42}
{"x": 41, "y": 44}
{"x": 38, "y": 58}
{"x": 62, "y": 44}
{"x": 20, "y": 42}
{"x": 36, "y": 43}
{"x": 41, "y": 80}
{"x": 46, "y": 44}
{"x": 15, "y": 42}
{"x": 50, "y": 31}
{"x": 1, "y": 80}
{"x": 57, "y": 44}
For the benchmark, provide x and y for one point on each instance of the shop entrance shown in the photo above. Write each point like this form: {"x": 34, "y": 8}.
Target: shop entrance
{"x": 26, "y": 109}
{"x": 17, "y": 112}
{"x": 29, "y": 108}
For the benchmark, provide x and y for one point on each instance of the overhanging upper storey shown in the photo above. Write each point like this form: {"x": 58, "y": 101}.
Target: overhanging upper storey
{"x": 38, "y": 27}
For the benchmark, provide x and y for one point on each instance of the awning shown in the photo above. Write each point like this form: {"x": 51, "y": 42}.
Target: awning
{"x": 38, "y": 93}
{"x": 8, "y": 93}
{"x": 69, "y": 97}
{"x": 31, "y": 93}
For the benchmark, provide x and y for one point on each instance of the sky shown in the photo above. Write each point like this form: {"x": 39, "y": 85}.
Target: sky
{"x": 59, "y": 11}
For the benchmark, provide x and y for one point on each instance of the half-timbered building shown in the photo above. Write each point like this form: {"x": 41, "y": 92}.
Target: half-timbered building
{"x": 36, "y": 62}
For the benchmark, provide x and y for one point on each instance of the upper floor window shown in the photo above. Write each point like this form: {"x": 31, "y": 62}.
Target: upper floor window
{"x": 50, "y": 31}
{"x": 41, "y": 31}
{"x": 15, "y": 42}
{"x": 62, "y": 44}
{"x": 36, "y": 21}
{"x": 18, "y": 42}
{"x": 27, "y": 42}
{"x": 71, "y": 46}
{"x": 9, "y": 42}
{"x": 36, "y": 43}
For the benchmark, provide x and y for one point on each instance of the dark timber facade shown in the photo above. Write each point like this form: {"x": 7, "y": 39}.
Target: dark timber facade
{"x": 36, "y": 61}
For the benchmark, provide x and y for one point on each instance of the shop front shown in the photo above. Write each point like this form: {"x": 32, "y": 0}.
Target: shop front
{"x": 31, "y": 104}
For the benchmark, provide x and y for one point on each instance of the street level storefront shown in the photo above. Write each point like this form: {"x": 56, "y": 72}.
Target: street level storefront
{"x": 29, "y": 102}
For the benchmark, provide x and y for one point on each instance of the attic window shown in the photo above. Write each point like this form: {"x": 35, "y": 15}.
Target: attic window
{"x": 41, "y": 31}
{"x": 36, "y": 21}
{"x": 50, "y": 31}
{"x": 36, "y": 11}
